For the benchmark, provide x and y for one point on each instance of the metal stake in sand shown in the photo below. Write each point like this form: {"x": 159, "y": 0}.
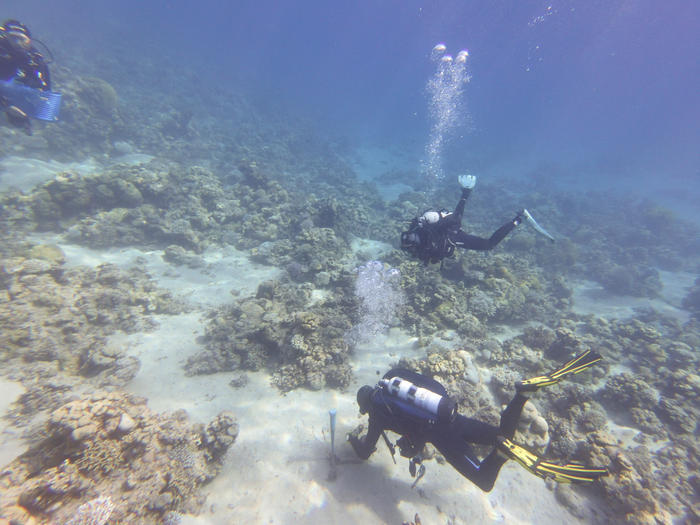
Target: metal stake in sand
{"x": 333, "y": 412}
{"x": 335, "y": 460}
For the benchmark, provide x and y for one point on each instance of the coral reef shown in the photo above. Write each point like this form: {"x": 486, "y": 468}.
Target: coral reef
{"x": 533, "y": 429}
{"x": 142, "y": 466}
{"x": 659, "y": 399}
{"x": 94, "y": 512}
{"x": 570, "y": 420}
{"x": 280, "y": 329}
{"x": 264, "y": 182}
{"x": 692, "y": 300}
{"x": 631, "y": 279}
{"x": 55, "y": 322}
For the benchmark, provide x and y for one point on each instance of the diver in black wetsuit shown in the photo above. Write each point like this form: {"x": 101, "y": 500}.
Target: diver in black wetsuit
{"x": 434, "y": 235}
{"x": 20, "y": 63}
{"x": 400, "y": 403}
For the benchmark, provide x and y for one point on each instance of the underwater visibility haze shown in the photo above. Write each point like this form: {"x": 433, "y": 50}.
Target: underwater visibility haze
{"x": 349, "y": 262}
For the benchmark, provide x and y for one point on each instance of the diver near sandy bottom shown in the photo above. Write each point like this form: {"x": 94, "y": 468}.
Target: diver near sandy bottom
{"x": 25, "y": 82}
{"x": 434, "y": 235}
{"x": 419, "y": 409}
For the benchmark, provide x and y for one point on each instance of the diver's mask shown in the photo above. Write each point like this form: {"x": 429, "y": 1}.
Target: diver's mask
{"x": 19, "y": 41}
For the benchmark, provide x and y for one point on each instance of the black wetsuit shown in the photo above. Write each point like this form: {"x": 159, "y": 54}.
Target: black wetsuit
{"x": 434, "y": 242}
{"x": 22, "y": 66}
{"x": 25, "y": 67}
{"x": 451, "y": 438}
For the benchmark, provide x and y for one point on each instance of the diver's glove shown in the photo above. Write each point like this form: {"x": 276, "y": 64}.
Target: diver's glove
{"x": 355, "y": 434}
{"x": 467, "y": 181}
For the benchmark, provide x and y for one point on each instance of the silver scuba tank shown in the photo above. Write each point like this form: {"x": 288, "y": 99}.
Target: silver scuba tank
{"x": 441, "y": 406}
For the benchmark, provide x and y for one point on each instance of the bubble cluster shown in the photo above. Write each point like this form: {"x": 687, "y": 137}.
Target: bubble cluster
{"x": 379, "y": 289}
{"x": 447, "y": 109}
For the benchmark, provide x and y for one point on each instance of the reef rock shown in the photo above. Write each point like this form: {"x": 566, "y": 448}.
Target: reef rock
{"x": 110, "y": 445}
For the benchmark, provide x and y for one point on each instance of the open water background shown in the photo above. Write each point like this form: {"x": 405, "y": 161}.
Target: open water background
{"x": 607, "y": 90}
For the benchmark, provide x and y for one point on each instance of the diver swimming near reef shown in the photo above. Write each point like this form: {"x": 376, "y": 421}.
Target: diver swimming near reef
{"x": 25, "y": 82}
{"x": 434, "y": 235}
{"x": 419, "y": 409}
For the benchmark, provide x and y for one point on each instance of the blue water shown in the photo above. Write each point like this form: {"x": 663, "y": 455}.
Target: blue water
{"x": 604, "y": 87}
{"x": 571, "y": 95}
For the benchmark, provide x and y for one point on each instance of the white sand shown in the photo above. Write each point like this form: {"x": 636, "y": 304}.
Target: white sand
{"x": 26, "y": 173}
{"x": 277, "y": 470}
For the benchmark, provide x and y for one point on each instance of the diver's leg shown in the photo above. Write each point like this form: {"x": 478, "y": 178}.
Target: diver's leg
{"x": 480, "y": 433}
{"x": 483, "y": 475}
{"x": 504, "y": 230}
{"x": 475, "y": 431}
{"x": 511, "y": 416}
{"x": 524, "y": 389}
{"x": 457, "y": 452}
{"x": 472, "y": 242}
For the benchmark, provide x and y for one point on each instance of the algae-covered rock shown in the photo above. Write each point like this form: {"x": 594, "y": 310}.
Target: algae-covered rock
{"x": 127, "y": 193}
{"x": 111, "y": 444}
{"x": 522, "y": 242}
{"x": 47, "y": 252}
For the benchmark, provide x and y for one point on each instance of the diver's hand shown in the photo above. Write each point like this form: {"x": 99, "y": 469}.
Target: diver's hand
{"x": 18, "y": 118}
{"x": 467, "y": 181}
{"x": 354, "y": 435}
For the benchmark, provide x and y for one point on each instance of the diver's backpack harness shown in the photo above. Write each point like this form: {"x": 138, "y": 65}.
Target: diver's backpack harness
{"x": 435, "y": 243}
{"x": 401, "y": 396}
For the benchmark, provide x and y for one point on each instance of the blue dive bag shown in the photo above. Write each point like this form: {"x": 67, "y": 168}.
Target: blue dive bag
{"x": 42, "y": 105}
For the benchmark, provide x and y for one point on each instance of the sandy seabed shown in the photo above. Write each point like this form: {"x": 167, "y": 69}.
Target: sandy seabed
{"x": 278, "y": 470}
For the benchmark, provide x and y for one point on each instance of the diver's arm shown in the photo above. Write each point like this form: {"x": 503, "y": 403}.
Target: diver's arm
{"x": 459, "y": 210}
{"x": 468, "y": 182}
{"x": 364, "y": 447}
{"x": 36, "y": 73}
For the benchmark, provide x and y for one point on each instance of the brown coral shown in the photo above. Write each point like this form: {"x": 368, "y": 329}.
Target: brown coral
{"x": 109, "y": 443}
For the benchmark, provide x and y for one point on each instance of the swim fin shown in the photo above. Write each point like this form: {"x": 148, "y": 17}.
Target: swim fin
{"x": 567, "y": 473}
{"x": 576, "y": 365}
{"x": 529, "y": 218}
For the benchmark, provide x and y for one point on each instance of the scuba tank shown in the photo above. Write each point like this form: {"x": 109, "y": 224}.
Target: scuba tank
{"x": 441, "y": 406}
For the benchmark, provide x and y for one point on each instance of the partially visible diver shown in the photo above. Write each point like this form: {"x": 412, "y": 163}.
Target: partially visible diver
{"x": 419, "y": 409}
{"x": 25, "y": 81}
{"x": 433, "y": 236}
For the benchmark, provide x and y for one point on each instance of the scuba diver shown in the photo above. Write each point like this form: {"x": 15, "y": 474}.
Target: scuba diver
{"x": 25, "y": 82}
{"x": 419, "y": 409}
{"x": 434, "y": 235}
